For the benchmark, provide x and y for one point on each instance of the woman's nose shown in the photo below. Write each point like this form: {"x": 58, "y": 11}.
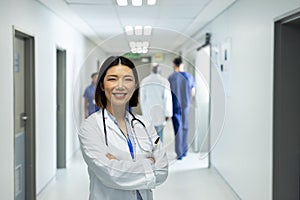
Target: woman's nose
{"x": 120, "y": 84}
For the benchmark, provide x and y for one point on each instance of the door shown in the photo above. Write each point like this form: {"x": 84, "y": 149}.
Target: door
{"x": 61, "y": 108}
{"x": 286, "y": 126}
{"x": 202, "y": 107}
{"x": 24, "y": 116}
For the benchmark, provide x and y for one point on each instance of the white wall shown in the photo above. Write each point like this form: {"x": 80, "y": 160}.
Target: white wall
{"x": 243, "y": 153}
{"x": 6, "y": 105}
{"x": 83, "y": 78}
{"x": 49, "y": 32}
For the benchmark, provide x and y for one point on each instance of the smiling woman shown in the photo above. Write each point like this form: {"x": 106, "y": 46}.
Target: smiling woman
{"x": 124, "y": 158}
{"x": 119, "y": 85}
{"x": 112, "y": 73}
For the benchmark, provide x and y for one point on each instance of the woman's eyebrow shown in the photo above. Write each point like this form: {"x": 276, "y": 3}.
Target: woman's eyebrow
{"x": 111, "y": 75}
{"x": 125, "y": 76}
{"x": 128, "y": 75}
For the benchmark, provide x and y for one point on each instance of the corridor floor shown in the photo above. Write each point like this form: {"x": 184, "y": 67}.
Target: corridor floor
{"x": 189, "y": 179}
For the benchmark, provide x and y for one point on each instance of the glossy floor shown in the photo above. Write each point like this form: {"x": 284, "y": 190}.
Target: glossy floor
{"x": 188, "y": 179}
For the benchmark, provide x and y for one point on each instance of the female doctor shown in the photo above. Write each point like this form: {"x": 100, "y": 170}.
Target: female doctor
{"x": 124, "y": 156}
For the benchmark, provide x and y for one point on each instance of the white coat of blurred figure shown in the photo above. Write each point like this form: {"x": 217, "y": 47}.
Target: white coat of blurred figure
{"x": 156, "y": 99}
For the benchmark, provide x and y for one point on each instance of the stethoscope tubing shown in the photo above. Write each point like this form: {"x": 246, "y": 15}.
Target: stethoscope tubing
{"x": 133, "y": 130}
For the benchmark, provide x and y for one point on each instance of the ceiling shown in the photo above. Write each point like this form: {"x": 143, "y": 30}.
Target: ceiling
{"x": 103, "y": 21}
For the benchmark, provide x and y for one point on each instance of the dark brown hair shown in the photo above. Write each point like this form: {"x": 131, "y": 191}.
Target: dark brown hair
{"x": 111, "y": 61}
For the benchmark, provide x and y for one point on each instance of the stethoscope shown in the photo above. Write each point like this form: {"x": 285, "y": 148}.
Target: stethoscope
{"x": 133, "y": 122}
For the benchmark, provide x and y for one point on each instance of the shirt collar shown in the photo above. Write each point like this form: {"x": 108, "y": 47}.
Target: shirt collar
{"x": 114, "y": 119}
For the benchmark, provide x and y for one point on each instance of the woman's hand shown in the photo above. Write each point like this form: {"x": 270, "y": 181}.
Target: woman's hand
{"x": 110, "y": 156}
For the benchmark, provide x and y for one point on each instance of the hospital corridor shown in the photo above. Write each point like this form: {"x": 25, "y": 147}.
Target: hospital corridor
{"x": 188, "y": 179}
{"x": 150, "y": 99}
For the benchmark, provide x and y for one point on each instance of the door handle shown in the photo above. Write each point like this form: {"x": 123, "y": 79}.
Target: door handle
{"x": 24, "y": 118}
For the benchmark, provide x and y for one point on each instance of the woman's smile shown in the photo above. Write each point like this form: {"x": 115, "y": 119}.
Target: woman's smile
{"x": 119, "y": 95}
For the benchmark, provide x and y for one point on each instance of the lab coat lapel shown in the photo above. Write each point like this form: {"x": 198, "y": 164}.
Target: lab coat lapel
{"x": 110, "y": 124}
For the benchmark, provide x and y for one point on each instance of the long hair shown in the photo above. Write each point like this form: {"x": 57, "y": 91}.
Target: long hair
{"x": 111, "y": 61}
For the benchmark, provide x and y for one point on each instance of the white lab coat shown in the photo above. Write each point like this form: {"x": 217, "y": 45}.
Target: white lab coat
{"x": 119, "y": 179}
{"x": 156, "y": 99}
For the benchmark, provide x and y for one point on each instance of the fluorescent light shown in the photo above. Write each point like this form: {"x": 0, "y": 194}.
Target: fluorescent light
{"x": 137, "y": 2}
{"x": 139, "y": 47}
{"x": 145, "y": 44}
{"x": 132, "y": 45}
{"x": 134, "y": 50}
{"x": 151, "y": 2}
{"x": 122, "y": 2}
{"x": 138, "y": 44}
{"x": 139, "y": 50}
{"x": 147, "y": 30}
{"x": 129, "y": 30}
{"x": 138, "y": 30}
{"x": 145, "y": 50}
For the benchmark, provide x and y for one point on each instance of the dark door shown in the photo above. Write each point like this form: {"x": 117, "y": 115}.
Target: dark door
{"x": 24, "y": 116}
{"x": 61, "y": 108}
{"x": 286, "y": 122}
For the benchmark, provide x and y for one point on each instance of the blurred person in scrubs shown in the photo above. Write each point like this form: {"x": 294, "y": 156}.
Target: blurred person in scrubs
{"x": 183, "y": 88}
{"x": 88, "y": 95}
{"x": 122, "y": 150}
{"x": 156, "y": 99}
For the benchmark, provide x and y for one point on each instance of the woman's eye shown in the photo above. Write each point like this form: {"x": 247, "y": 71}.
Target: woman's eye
{"x": 111, "y": 79}
{"x": 128, "y": 79}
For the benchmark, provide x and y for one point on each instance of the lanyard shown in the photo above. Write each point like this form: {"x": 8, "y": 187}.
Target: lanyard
{"x": 129, "y": 143}
{"x": 130, "y": 147}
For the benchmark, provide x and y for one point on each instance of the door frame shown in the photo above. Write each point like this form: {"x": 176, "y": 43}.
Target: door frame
{"x": 286, "y": 108}
{"x": 30, "y": 158}
{"x": 207, "y": 143}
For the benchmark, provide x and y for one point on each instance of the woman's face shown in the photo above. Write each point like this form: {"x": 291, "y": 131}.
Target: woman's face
{"x": 119, "y": 85}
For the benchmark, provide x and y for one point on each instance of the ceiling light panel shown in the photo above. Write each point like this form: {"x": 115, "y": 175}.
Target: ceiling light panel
{"x": 145, "y": 50}
{"x": 134, "y": 2}
{"x": 138, "y": 30}
{"x": 145, "y": 44}
{"x": 122, "y": 2}
{"x": 147, "y": 30}
{"x": 151, "y": 2}
{"x": 137, "y": 2}
{"x": 104, "y": 2}
{"x": 132, "y": 45}
{"x": 129, "y": 30}
{"x": 139, "y": 46}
